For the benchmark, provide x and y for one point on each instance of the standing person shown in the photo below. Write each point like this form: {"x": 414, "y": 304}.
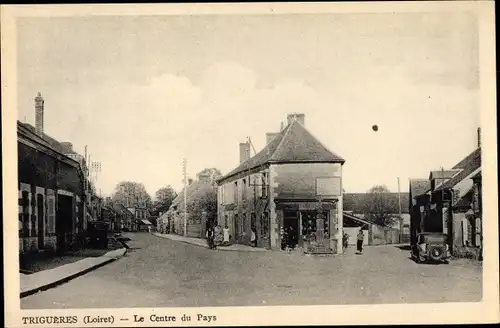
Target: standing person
{"x": 360, "y": 239}
{"x": 226, "y": 235}
{"x": 253, "y": 238}
{"x": 218, "y": 236}
{"x": 210, "y": 236}
{"x": 291, "y": 239}
{"x": 345, "y": 239}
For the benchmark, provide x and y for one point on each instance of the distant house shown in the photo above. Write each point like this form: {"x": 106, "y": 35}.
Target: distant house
{"x": 290, "y": 188}
{"x": 124, "y": 218}
{"x": 356, "y": 216}
{"x": 195, "y": 190}
{"x": 51, "y": 189}
{"x": 450, "y": 202}
{"x": 355, "y": 203}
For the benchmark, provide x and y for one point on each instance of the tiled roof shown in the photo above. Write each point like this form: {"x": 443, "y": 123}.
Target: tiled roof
{"x": 48, "y": 140}
{"x": 419, "y": 186}
{"x": 355, "y": 201}
{"x": 443, "y": 174}
{"x": 194, "y": 190}
{"x": 293, "y": 144}
{"x": 465, "y": 201}
{"x": 120, "y": 208}
{"x": 468, "y": 165}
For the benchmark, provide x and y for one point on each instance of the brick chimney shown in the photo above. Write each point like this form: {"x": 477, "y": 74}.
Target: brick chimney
{"x": 282, "y": 126}
{"x": 270, "y": 136}
{"x": 39, "y": 102}
{"x": 244, "y": 151}
{"x": 67, "y": 147}
{"x": 478, "y": 137}
{"x": 295, "y": 116}
{"x": 205, "y": 177}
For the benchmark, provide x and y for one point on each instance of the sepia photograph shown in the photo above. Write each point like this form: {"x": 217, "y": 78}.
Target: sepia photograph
{"x": 249, "y": 158}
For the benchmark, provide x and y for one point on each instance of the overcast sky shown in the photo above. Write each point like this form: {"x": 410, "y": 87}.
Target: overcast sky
{"x": 144, "y": 92}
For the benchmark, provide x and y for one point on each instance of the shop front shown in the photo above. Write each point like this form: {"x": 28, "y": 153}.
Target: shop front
{"x": 307, "y": 226}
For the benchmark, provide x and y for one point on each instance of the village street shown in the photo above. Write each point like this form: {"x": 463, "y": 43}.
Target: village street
{"x": 159, "y": 272}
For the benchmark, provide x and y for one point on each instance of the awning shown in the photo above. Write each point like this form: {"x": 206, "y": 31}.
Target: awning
{"x": 146, "y": 222}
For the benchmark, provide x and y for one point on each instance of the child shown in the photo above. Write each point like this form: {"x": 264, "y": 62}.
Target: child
{"x": 253, "y": 238}
{"x": 345, "y": 239}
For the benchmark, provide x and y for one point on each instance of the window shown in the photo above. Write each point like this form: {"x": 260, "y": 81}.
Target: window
{"x": 236, "y": 192}
{"x": 465, "y": 231}
{"x": 244, "y": 190}
{"x": 222, "y": 197}
{"x": 264, "y": 185}
{"x": 26, "y": 212}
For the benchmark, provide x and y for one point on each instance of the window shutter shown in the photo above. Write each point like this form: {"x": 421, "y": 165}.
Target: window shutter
{"x": 478, "y": 232}
{"x": 51, "y": 214}
{"x": 464, "y": 232}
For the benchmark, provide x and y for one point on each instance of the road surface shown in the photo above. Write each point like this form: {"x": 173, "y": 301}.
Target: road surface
{"x": 162, "y": 273}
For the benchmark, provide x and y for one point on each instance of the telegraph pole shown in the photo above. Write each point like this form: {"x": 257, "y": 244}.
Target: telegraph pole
{"x": 184, "y": 166}
{"x": 400, "y": 212}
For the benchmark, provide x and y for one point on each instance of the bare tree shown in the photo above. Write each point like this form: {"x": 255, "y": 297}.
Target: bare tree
{"x": 380, "y": 206}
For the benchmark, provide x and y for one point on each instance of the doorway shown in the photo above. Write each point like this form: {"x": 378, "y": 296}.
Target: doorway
{"x": 290, "y": 229}
{"x": 64, "y": 220}
{"x": 40, "y": 214}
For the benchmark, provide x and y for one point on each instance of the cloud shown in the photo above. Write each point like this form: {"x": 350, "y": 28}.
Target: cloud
{"x": 141, "y": 131}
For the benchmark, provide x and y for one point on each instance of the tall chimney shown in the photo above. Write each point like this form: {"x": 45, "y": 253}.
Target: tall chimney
{"x": 282, "y": 127}
{"x": 39, "y": 114}
{"x": 205, "y": 177}
{"x": 478, "y": 137}
{"x": 270, "y": 136}
{"x": 295, "y": 117}
{"x": 301, "y": 118}
{"x": 244, "y": 152}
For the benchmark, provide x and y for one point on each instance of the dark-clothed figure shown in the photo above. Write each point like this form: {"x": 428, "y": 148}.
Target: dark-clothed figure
{"x": 210, "y": 237}
{"x": 360, "y": 239}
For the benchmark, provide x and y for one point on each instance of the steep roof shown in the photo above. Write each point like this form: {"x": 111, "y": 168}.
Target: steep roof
{"x": 355, "y": 201}
{"x": 45, "y": 138}
{"x": 443, "y": 174}
{"x": 468, "y": 165}
{"x": 419, "y": 186}
{"x": 120, "y": 208}
{"x": 292, "y": 145}
{"x": 195, "y": 190}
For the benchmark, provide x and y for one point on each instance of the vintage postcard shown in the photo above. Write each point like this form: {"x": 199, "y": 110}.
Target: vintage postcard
{"x": 249, "y": 164}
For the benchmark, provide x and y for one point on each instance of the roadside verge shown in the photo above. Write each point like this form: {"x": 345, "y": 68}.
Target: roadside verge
{"x": 43, "y": 280}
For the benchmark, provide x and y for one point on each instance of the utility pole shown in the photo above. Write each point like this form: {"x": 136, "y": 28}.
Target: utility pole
{"x": 184, "y": 166}
{"x": 400, "y": 212}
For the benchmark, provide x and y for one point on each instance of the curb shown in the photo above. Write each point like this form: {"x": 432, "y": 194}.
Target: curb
{"x": 181, "y": 241}
{"x": 206, "y": 246}
{"x": 68, "y": 278}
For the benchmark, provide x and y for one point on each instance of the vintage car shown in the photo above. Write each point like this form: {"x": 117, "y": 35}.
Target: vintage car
{"x": 431, "y": 246}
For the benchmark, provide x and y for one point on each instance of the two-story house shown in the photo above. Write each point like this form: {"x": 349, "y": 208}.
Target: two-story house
{"x": 293, "y": 185}
{"x": 51, "y": 190}
{"x": 449, "y": 202}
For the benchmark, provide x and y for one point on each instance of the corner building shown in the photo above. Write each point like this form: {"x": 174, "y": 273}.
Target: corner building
{"x": 294, "y": 184}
